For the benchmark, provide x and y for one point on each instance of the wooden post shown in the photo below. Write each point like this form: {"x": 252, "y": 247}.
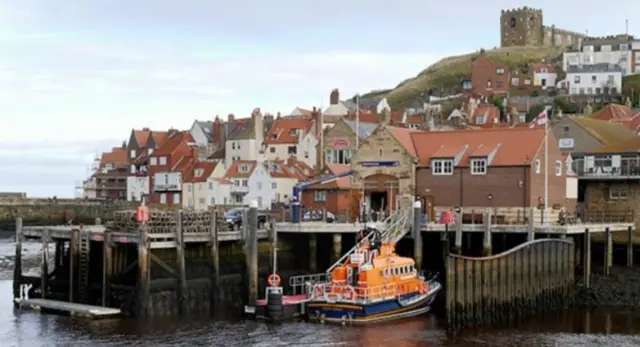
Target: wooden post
{"x": 107, "y": 267}
{"x": 313, "y": 248}
{"x": 630, "y": 247}
{"x": 417, "y": 234}
{"x": 458, "y": 238}
{"x": 44, "y": 266}
{"x": 215, "y": 264}
{"x": 337, "y": 246}
{"x": 252, "y": 249}
{"x": 73, "y": 257}
{"x": 530, "y": 226}
{"x": 182, "y": 285}
{"x": 486, "y": 241}
{"x": 587, "y": 258}
{"x": 17, "y": 266}
{"x": 274, "y": 246}
{"x": 608, "y": 251}
{"x": 143, "y": 271}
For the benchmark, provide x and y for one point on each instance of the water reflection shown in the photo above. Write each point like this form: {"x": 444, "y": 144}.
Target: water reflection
{"x": 570, "y": 328}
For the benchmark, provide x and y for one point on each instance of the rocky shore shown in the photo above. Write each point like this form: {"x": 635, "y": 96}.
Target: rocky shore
{"x": 621, "y": 289}
{"x": 31, "y": 257}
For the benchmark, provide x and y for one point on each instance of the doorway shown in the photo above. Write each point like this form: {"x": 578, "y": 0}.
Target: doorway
{"x": 378, "y": 202}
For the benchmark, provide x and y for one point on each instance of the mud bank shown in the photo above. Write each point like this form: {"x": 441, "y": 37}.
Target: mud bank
{"x": 621, "y": 289}
{"x": 31, "y": 257}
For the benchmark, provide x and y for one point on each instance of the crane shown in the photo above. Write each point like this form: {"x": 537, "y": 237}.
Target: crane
{"x": 298, "y": 188}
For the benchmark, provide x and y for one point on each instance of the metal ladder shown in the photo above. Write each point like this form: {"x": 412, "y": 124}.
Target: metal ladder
{"x": 83, "y": 265}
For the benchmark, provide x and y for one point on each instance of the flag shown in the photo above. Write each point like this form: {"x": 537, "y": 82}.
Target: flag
{"x": 540, "y": 119}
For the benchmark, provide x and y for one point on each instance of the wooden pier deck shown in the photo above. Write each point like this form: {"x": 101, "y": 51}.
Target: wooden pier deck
{"x": 87, "y": 311}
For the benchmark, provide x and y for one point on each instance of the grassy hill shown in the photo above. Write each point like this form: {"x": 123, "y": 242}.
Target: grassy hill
{"x": 448, "y": 72}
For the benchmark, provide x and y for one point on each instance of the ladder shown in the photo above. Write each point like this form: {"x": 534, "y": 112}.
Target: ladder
{"x": 83, "y": 265}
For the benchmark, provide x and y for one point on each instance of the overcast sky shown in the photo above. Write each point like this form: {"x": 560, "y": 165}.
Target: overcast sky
{"x": 77, "y": 75}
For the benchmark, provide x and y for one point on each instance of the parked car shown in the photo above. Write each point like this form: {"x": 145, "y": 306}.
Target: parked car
{"x": 316, "y": 216}
{"x": 233, "y": 218}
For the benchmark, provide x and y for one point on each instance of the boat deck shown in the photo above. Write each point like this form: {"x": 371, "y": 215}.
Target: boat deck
{"x": 287, "y": 300}
{"x": 69, "y": 307}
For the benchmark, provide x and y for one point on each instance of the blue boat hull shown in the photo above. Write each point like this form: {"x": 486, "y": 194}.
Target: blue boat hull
{"x": 405, "y": 306}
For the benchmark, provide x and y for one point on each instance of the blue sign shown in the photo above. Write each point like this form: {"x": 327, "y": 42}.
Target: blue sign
{"x": 380, "y": 163}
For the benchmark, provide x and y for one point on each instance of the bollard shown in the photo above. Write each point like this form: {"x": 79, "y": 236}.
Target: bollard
{"x": 417, "y": 234}
{"x": 144, "y": 289}
{"x": 44, "y": 269}
{"x": 180, "y": 261}
{"x": 530, "y": 226}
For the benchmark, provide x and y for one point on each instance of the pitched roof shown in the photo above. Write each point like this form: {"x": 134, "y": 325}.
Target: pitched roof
{"x": 142, "y": 136}
{"x": 364, "y": 129}
{"x": 205, "y": 169}
{"x": 290, "y": 168}
{"x": 515, "y": 146}
{"x": 207, "y": 128}
{"x": 629, "y": 145}
{"x": 334, "y": 169}
{"x": 235, "y": 171}
{"x": 117, "y": 156}
{"x": 605, "y": 132}
{"x": 633, "y": 123}
{"x": 288, "y": 131}
{"x": 173, "y": 142}
{"x": 403, "y": 136}
{"x": 486, "y": 114}
{"x": 613, "y": 113}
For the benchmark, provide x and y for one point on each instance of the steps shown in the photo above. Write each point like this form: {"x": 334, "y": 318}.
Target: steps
{"x": 83, "y": 266}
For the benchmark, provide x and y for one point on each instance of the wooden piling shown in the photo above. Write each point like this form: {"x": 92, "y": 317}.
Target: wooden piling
{"x": 73, "y": 258}
{"x": 107, "y": 267}
{"x": 143, "y": 272}
{"x": 337, "y": 246}
{"x": 252, "y": 253}
{"x": 587, "y": 258}
{"x": 457, "y": 247}
{"x": 608, "y": 251}
{"x": 630, "y": 247}
{"x": 530, "y": 226}
{"x": 417, "y": 234}
{"x": 313, "y": 249}
{"x": 44, "y": 266}
{"x": 215, "y": 264}
{"x": 486, "y": 241}
{"x": 17, "y": 266}
{"x": 180, "y": 261}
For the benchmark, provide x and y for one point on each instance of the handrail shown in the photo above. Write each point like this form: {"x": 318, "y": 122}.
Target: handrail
{"x": 513, "y": 250}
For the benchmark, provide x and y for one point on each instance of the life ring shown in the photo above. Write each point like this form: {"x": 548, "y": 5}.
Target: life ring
{"x": 349, "y": 293}
{"x": 318, "y": 291}
{"x": 274, "y": 280}
{"x": 422, "y": 290}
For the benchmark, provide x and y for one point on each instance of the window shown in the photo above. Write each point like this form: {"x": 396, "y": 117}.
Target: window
{"x": 213, "y": 201}
{"x": 163, "y": 160}
{"x": 598, "y": 91}
{"x": 537, "y": 166}
{"x": 480, "y": 120}
{"x": 488, "y": 83}
{"x": 132, "y": 154}
{"x": 272, "y": 149}
{"x": 576, "y": 79}
{"x": 589, "y": 90}
{"x": 153, "y": 161}
{"x": 274, "y": 185}
{"x": 238, "y": 199}
{"x": 306, "y": 154}
{"x": 259, "y": 185}
{"x": 244, "y": 168}
{"x": 614, "y": 90}
{"x": 133, "y": 168}
{"x": 515, "y": 81}
{"x": 624, "y": 46}
{"x": 558, "y": 167}
{"x": 176, "y": 198}
{"x": 618, "y": 192}
{"x": 163, "y": 198}
{"x": 499, "y": 84}
{"x": 543, "y": 70}
{"x": 189, "y": 188}
{"x": 380, "y": 152}
{"x": 236, "y": 183}
{"x": 320, "y": 195}
{"x": 201, "y": 201}
{"x": 149, "y": 150}
{"x": 610, "y": 79}
{"x": 259, "y": 201}
{"x": 233, "y": 145}
{"x": 292, "y": 150}
{"x": 500, "y": 71}
{"x": 581, "y": 90}
{"x": 210, "y": 185}
{"x": 442, "y": 167}
{"x": 478, "y": 166}
{"x": 594, "y": 79}
{"x": 245, "y": 183}
{"x": 339, "y": 156}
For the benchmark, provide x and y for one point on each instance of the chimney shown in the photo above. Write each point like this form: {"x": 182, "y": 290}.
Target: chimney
{"x": 231, "y": 118}
{"x": 172, "y": 131}
{"x": 145, "y": 129}
{"x": 217, "y": 132}
{"x": 258, "y": 127}
{"x": 334, "y": 98}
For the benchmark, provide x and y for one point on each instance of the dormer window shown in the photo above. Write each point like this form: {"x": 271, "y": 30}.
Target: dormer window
{"x": 442, "y": 166}
{"x": 480, "y": 120}
{"x": 197, "y": 172}
{"x": 274, "y": 136}
{"x": 244, "y": 168}
{"x": 479, "y": 166}
{"x": 294, "y": 131}
{"x": 500, "y": 71}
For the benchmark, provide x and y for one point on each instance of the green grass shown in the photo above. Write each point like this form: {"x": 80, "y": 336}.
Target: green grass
{"x": 449, "y": 72}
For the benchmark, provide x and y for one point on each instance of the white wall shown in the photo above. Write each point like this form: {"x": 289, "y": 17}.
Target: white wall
{"x": 195, "y": 195}
{"x": 572, "y": 187}
{"x": 621, "y": 58}
{"x": 136, "y": 187}
{"x": 218, "y": 193}
{"x": 240, "y": 150}
{"x": 283, "y": 188}
{"x": 550, "y": 78}
{"x": 305, "y": 150}
{"x": 586, "y": 82}
{"x": 198, "y": 135}
{"x": 259, "y": 188}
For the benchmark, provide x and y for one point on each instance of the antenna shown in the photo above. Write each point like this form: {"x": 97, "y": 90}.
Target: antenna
{"x": 626, "y": 27}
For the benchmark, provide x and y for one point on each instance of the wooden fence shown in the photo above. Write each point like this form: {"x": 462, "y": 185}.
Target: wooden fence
{"x": 533, "y": 277}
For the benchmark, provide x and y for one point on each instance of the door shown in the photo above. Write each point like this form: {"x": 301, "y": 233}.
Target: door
{"x": 429, "y": 207}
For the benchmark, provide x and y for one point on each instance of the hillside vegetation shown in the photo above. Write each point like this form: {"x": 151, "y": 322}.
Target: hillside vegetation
{"x": 449, "y": 72}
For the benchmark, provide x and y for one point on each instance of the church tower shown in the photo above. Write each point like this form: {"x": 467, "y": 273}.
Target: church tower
{"x": 521, "y": 27}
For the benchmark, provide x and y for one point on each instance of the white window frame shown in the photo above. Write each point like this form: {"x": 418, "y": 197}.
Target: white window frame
{"x": 320, "y": 195}
{"x": 153, "y": 161}
{"x": 176, "y": 198}
{"x": 274, "y": 185}
{"x": 132, "y": 154}
{"x": 163, "y": 198}
{"x": 558, "y": 167}
{"x": 478, "y": 166}
{"x": 162, "y": 160}
{"x": 619, "y": 192}
{"x": 537, "y": 166}
{"x": 442, "y": 167}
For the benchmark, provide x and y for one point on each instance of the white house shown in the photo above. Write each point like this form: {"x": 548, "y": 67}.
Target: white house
{"x": 246, "y": 142}
{"x": 251, "y": 181}
{"x": 291, "y": 138}
{"x": 593, "y": 79}
{"x": 202, "y": 133}
{"x": 615, "y": 51}
{"x": 198, "y": 185}
{"x": 544, "y": 76}
{"x": 285, "y": 175}
{"x": 137, "y": 187}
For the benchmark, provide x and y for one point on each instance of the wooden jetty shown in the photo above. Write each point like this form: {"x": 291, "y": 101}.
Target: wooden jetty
{"x": 79, "y": 310}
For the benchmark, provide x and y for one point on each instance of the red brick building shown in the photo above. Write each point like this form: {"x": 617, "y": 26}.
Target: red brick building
{"x": 177, "y": 155}
{"x": 488, "y": 78}
{"x": 335, "y": 197}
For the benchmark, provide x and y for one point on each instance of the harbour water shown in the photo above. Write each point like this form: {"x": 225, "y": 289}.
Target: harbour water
{"x": 603, "y": 327}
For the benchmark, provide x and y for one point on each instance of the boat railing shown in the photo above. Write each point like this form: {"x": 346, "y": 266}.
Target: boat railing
{"x": 331, "y": 292}
{"x": 302, "y": 283}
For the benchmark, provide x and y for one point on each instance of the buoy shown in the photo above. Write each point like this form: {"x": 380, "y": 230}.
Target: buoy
{"x": 318, "y": 291}
{"x": 274, "y": 280}
{"x": 350, "y": 293}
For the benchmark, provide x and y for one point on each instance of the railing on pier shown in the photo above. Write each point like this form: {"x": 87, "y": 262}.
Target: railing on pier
{"x": 302, "y": 284}
{"x": 607, "y": 167}
{"x": 535, "y": 276}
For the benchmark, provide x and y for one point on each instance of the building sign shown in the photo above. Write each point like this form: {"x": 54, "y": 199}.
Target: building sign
{"x": 566, "y": 143}
{"x": 340, "y": 143}
{"x": 379, "y": 163}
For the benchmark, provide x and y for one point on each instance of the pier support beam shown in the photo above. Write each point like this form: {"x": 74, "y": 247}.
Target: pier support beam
{"x": 530, "y": 226}
{"x": 73, "y": 258}
{"x": 17, "y": 266}
{"x": 337, "y": 246}
{"x": 313, "y": 248}
{"x": 457, "y": 247}
{"x": 44, "y": 266}
{"x": 144, "y": 288}
{"x": 587, "y": 258}
{"x": 252, "y": 253}
{"x": 417, "y": 233}
{"x": 608, "y": 251}
{"x": 182, "y": 268}
{"x": 215, "y": 265}
{"x": 107, "y": 267}
{"x": 630, "y": 247}
{"x": 486, "y": 241}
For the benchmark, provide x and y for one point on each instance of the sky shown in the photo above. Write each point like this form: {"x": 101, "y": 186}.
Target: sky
{"x": 76, "y": 76}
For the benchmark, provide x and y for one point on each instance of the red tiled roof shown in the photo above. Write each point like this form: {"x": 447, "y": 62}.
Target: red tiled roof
{"x": 340, "y": 183}
{"x": 550, "y": 68}
{"x": 223, "y": 180}
{"x": 482, "y": 151}
{"x": 282, "y": 131}
{"x": 206, "y": 169}
{"x": 173, "y": 142}
{"x": 117, "y": 156}
{"x": 634, "y": 122}
{"x": 403, "y": 136}
{"x": 290, "y": 168}
{"x": 518, "y": 146}
{"x": 614, "y": 113}
{"x": 490, "y": 113}
{"x": 447, "y": 151}
{"x": 142, "y": 136}
{"x": 234, "y": 169}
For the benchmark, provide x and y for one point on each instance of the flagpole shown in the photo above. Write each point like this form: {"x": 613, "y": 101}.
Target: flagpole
{"x": 546, "y": 166}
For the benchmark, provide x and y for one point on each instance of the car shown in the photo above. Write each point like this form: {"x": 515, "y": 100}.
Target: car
{"x": 233, "y": 218}
{"x": 316, "y": 215}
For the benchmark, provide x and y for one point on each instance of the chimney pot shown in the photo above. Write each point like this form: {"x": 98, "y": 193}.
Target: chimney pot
{"x": 334, "y": 98}
{"x": 145, "y": 129}
{"x": 231, "y": 117}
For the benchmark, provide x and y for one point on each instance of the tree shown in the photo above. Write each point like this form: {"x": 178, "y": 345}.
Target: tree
{"x": 567, "y": 106}
{"x": 534, "y": 111}
{"x": 631, "y": 89}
